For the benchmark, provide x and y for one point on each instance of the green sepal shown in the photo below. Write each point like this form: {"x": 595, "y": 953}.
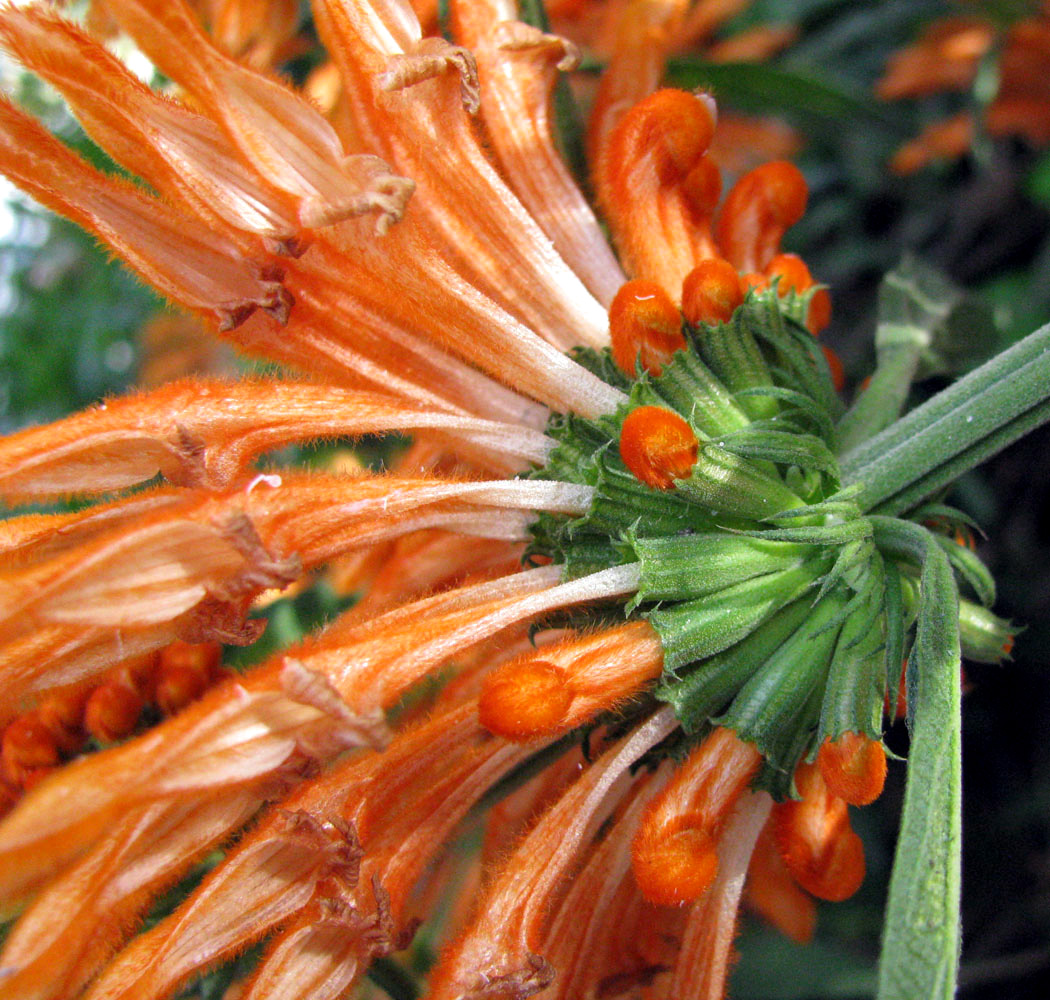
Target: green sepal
{"x": 825, "y": 534}
{"x": 849, "y": 566}
{"x": 622, "y": 503}
{"x": 777, "y": 774}
{"x": 801, "y": 408}
{"x": 985, "y": 637}
{"x": 687, "y": 386}
{"x": 782, "y": 447}
{"x": 726, "y": 483}
{"x": 708, "y": 686}
{"x": 733, "y": 355}
{"x": 777, "y": 702}
{"x": 580, "y": 442}
{"x": 600, "y": 363}
{"x": 694, "y": 630}
{"x": 798, "y": 360}
{"x": 856, "y": 686}
{"x": 893, "y": 603}
{"x": 937, "y": 514}
{"x": 969, "y": 569}
{"x": 686, "y": 567}
{"x": 590, "y": 554}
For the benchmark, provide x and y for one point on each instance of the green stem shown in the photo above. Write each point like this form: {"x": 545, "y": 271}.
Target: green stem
{"x": 954, "y": 431}
{"x": 882, "y": 401}
{"x": 921, "y": 937}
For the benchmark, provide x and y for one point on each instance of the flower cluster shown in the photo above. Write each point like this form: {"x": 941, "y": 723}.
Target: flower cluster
{"x": 628, "y": 607}
{"x": 947, "y": 57}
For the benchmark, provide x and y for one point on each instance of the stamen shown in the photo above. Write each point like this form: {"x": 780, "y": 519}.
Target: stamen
{"x": 853, "y": 767}
{"x": 658, "y": 446}
{"x": 711, "y": 292}
{"x": 645, "y": 327}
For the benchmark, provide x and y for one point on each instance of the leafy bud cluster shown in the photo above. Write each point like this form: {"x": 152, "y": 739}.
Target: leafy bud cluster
{"x": 784, "y": 607}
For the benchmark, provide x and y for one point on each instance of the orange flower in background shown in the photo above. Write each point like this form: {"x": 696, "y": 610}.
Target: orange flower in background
{"x": 947, "y": 57}
{"x": 425, "y": 266}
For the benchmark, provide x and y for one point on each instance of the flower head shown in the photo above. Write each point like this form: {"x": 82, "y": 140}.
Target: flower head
{"x": 623, "y": 546}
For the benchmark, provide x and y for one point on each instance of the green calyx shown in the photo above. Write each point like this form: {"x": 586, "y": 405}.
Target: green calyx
{"x": 785, "y": 608}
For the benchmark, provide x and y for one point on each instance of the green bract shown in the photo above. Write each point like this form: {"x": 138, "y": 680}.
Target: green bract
{"x": 807, "y": 556}
{"x": 783, "y": 607}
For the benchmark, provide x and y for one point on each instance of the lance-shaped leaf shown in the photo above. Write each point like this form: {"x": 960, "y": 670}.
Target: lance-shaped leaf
{"x": 921, "y": 937}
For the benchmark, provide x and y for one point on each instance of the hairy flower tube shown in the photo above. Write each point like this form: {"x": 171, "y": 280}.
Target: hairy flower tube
{"x": 630, "y": 610}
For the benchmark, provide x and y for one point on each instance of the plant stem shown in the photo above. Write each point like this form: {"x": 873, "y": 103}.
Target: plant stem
{"x": 956, "y": 430}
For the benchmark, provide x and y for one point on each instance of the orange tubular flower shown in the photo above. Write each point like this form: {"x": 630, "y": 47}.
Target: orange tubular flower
{"x": 816, "y": 841}
{"x": 420, "y": 263}
{"x": 947, "y": 57}
{"x": 675, "y": 852}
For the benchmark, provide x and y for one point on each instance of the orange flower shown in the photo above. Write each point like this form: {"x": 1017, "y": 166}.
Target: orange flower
{"x": 422, "y": 263}
{"x": 947, "y": 56}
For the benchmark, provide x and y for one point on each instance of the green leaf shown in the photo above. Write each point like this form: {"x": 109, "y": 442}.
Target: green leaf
{"x": 766, "y": 89}
{"x": 921, "y": 936}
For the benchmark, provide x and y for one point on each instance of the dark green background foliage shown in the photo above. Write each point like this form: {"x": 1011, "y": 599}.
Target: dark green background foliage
{"x": 68, "y": 329}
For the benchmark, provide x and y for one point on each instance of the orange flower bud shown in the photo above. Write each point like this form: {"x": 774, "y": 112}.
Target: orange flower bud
{"x": 760, "y": 208}
{"x": 523, "y": 700}
{"x": 711, "y": 292}
{"x": 644, "y": 326}
{"x": 754, "y": 282}
{"x": 673, "y": 127}
{"x": 853, "y": 767}
{"x": 819, "y": 315}
{"x": 27, "y": 744}
{"x": 62, "y": 714}
{"x": 816, "y": 841}
{"x": 677, "y": 867}
{"x": 775, "y": 895}
{"x": 112, "y": 711}
{"x": 184, "y": 672}
{"x": 902, "y": 695}
{"x": 792, "y": 271}
{"x": 658, "y": 446}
